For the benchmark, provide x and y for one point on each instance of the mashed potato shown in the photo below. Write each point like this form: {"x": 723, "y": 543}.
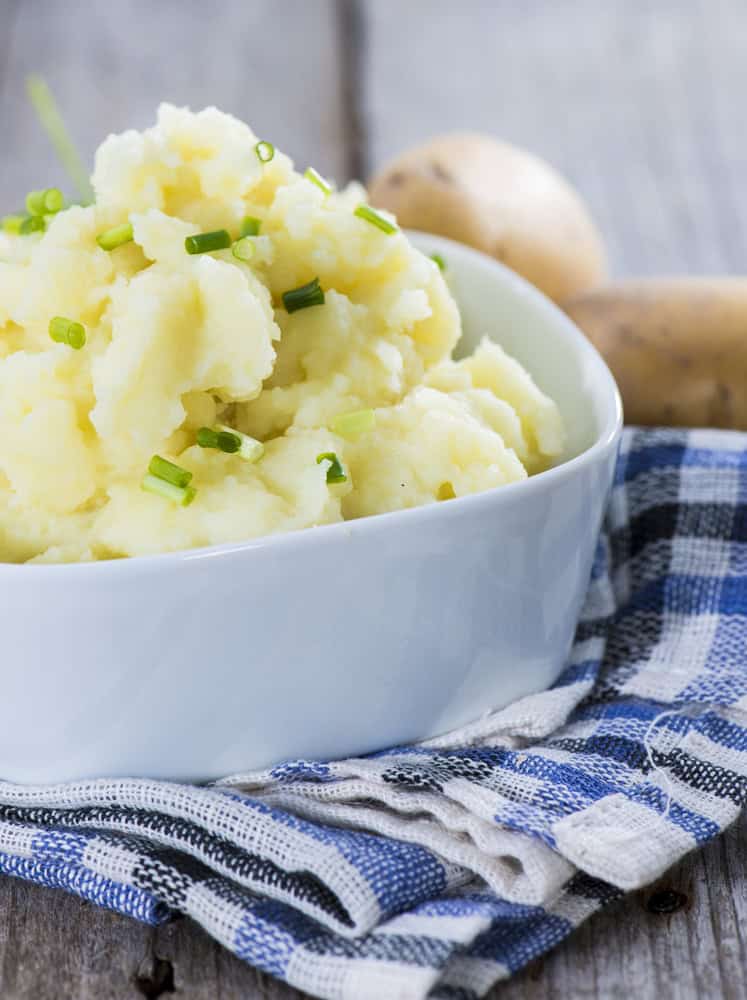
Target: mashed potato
{"x": 176, "y": 342}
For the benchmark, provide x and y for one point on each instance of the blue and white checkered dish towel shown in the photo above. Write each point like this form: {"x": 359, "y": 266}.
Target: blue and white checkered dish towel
{"x": 433, "y": 871}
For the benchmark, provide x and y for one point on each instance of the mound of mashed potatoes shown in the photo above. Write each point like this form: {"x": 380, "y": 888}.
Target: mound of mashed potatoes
{"x": 179, "y": 341}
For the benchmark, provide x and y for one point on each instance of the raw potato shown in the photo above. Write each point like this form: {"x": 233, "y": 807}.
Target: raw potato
{"x": 677, "y": 347}
{"x": 501, "y": 200}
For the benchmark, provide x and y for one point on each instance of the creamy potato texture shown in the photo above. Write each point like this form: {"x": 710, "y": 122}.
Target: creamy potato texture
{"x": 176, "y": 342}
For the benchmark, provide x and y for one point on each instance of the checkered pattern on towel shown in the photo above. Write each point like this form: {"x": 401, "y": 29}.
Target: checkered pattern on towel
{"x": 435, "y": 870}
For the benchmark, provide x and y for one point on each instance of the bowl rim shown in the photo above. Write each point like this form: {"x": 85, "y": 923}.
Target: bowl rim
{"x": 606, "y": 439}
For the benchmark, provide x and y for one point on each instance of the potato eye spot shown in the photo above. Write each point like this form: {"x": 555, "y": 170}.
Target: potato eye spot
{"x": 440, "y": 172}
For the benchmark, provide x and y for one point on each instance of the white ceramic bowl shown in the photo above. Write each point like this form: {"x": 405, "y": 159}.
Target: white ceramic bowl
{"x": 335, "y": 640}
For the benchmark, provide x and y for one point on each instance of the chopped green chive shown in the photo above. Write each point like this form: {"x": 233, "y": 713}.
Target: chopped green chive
{"x": 110, "y": 239}
{"x": 301, "y": 298}
{"x": 251, "y": 450}
{"x": 225, "y": 441}
{"x": 168, "y": 480}
{"x": 364, "y": 211}
{"x": 351, "y": 425}
{"x": 243, "y": 249}
{"x": 48, "y": 113}
{"x": 249, "y": 226}
{"x": 264, "y": 150}
{"x": 438, "y": 261}
{"x": 47, "y": 202}
{"x": 32, "y": 224}
{"x": 76, "y": 336}
{"x": 35, "y": 203}
{"x": 231, "y": 441}
{"x": 12, "y": 224}
{"x": 316, "y": 178}
{"x": 67, "y": 331}
{"x": 207, "y": 242}
{"x": 335, "y": 473}
{"x": 54, "y": 200}
{"x": 181, "y": 495}
{"x": 161, "y": 468}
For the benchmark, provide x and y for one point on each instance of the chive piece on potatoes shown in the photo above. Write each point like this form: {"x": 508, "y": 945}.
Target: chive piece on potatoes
{"x": 310, "y": 294}
{"x": 335, "y": 471}
{"x": 219, "y": 239}
{"x": 115, "y": 237}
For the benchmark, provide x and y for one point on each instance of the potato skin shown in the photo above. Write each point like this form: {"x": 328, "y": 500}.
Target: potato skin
{"x": 501, "y": 200}
{"x": 676, "y": 346}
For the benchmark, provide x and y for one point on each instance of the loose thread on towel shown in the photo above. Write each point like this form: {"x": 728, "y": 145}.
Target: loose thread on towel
{"x": 664, "y": 783}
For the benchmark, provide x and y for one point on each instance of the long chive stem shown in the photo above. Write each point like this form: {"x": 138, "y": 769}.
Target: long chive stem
{"x": 49, "y": 115}
{"x": 364, "y": 211}
{"x": 316, "y": 178}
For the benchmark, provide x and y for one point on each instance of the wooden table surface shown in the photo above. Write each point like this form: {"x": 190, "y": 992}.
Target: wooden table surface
{"x": 642, "y": 105}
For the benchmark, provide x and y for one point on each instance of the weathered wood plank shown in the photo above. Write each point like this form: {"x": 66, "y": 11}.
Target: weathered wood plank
{"x": 54, "y": 945}
{"x": 352, "y": 41}
{"x": 274, "y": 65}
{"x": 8, "y": 16}
{"x": 640, "y": 105}
{"x": 204, "y": 970}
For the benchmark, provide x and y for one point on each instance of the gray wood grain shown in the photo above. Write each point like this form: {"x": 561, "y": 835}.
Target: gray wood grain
{"x": 54, "y": 945}
{"x": 110, "y": 65}
{"x": 639, "y": 104}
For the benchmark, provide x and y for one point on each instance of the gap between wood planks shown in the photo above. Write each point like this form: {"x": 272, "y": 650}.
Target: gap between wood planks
{"x": 351, "y": 34}
{"x": 6, "y": 38}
